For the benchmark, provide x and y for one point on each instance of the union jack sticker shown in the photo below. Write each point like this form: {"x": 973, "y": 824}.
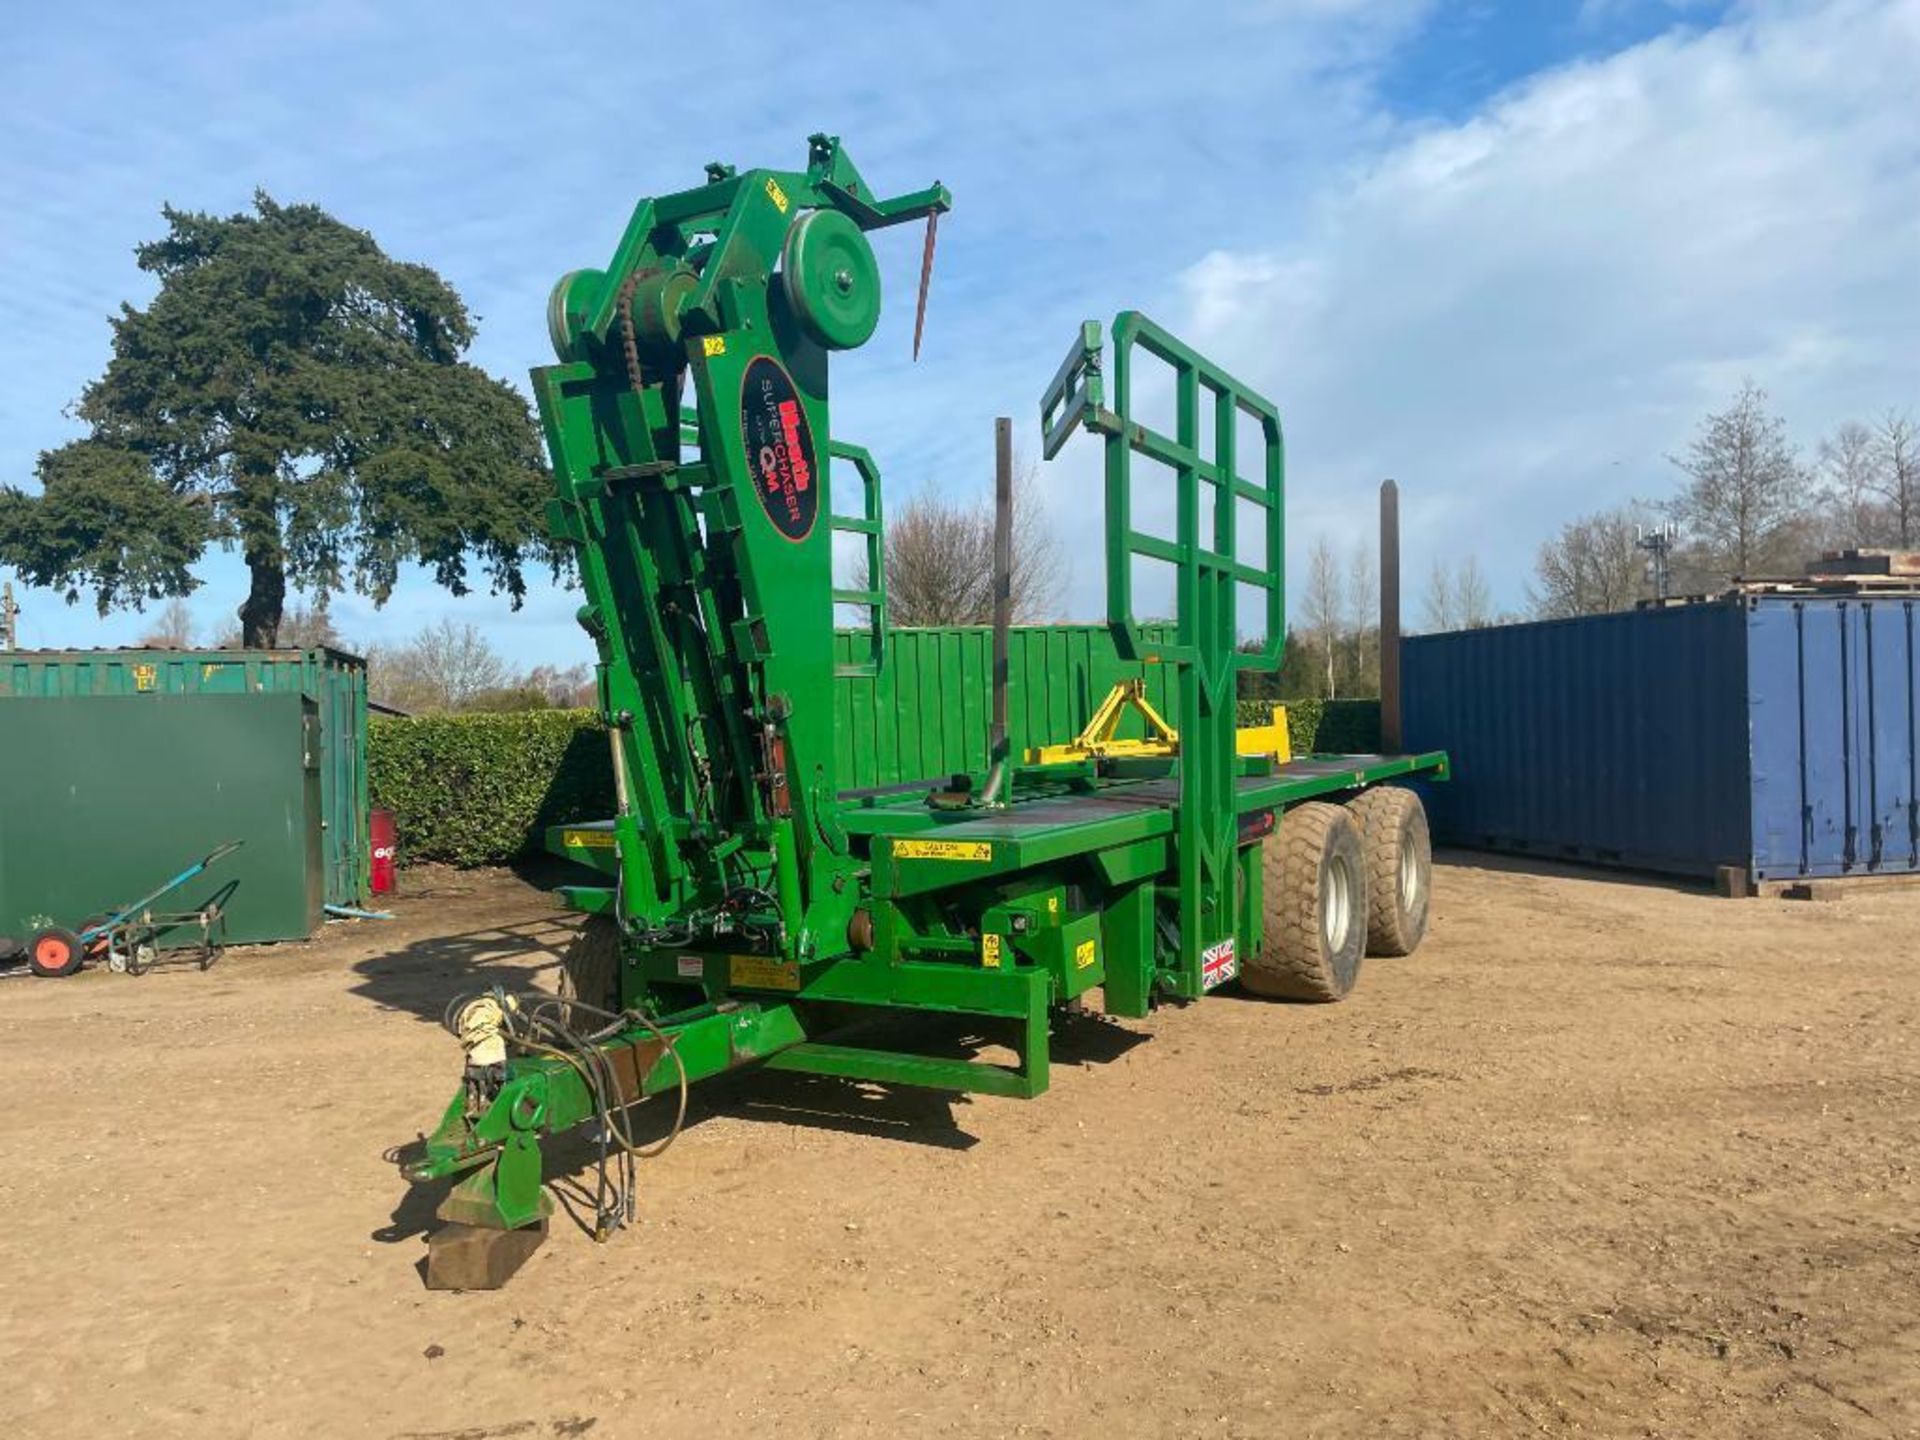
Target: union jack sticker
{"x": 1218, "y": 964}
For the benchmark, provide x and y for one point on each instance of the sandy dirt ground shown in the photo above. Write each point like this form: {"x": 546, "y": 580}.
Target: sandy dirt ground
{"x": 1605, "y": 1158}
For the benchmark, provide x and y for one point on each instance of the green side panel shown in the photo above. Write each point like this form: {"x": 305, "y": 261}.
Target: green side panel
{"x": 334, "y": 680}
{"x": 341, "y": 691}
{"x": 104, "y": 798}
{"x": 925, "y": 715}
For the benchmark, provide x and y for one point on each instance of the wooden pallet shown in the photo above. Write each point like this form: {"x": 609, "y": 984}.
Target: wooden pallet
{"x": 1882, "y": 585}
{"x": 1734, "y": 882}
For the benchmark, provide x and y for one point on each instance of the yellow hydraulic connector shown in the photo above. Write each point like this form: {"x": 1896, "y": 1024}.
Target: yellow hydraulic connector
{"x": 1097, "y": 741}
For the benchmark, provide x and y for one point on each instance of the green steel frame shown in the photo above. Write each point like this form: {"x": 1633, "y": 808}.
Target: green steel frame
{"x": 1204, "y": 554}
{"x": 764, "y": 907}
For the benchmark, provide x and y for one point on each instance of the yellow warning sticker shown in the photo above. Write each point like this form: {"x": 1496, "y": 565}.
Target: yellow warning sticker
{"x": 942, "y": 850}
{"x": 776, "y": 195}
{"x": 1084, "y": 954}
{"x": 588, "y": 839}
{"x": 711, "y": 345}
{"x": 990, "y": 951}
{"x": 761, "y": 972}
{"x": 143, "y": 677}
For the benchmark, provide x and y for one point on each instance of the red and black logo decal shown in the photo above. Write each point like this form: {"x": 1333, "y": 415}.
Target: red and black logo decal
{"x": 780, "y": 454}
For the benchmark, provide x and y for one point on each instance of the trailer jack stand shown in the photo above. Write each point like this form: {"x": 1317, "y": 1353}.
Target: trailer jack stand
{"x": 494, "y": 1220}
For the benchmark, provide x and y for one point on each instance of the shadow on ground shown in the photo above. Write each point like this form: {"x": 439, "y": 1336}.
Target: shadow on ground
{"x": 1504, "y": 863}
{"x": 423, "y": 976}
{"x": 900, "y": 1113}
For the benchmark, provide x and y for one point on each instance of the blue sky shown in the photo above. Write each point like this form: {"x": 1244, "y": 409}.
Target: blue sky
{"x": 1507, "y": 251}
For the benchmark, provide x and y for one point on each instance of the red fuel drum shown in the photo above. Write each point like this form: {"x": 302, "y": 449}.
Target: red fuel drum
{"x": 381, "y": 831}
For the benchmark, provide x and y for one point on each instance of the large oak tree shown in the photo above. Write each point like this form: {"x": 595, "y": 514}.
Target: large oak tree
{"x": 293, "y": 392}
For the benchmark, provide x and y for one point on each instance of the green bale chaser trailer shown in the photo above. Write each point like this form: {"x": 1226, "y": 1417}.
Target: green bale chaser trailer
{"x": 753, "y": 907}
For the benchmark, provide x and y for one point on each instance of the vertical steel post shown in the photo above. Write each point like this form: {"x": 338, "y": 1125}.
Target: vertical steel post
{"x": 1390, "y": 739}
{"x": 1002, "y": 600}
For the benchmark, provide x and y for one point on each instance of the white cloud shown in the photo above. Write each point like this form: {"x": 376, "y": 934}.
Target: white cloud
{"x": 1083, "y": 156}
{"x": 1520, "y": 315}
{"x": 1596, "y": 13}
{"x": 1496, "y": 312}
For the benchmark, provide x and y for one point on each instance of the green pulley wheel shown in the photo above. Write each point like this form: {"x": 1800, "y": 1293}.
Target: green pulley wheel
{"x": 568, "y": 306}
{"x": 831, "y": 279}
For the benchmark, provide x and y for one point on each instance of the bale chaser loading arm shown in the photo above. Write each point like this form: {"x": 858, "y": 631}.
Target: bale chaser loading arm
{"x": 759, "y": 910}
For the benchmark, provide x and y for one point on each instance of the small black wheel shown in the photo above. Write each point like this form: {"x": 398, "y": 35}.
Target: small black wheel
{"x": 54, "y": 952}
{"x": 1315, "y": 881}
{"x": 1399, "y": 851}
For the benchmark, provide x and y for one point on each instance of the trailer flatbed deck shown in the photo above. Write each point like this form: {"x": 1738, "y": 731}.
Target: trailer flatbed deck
{"x": 1064, "y": 821}
{"x": 1303, "y": 778}
{"x": 1067, "y": 821}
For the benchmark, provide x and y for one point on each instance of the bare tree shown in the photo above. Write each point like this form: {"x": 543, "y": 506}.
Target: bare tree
{"x": 1593, "y": 566}
{"x": 939, "y": 559}
{"x": 568, "y": 688}
{"x": 171, "y": 627}
{"x": 1896, "y": 460}
{"x": 1363, "y": 619}
{"x": 1441, "y": 606}
{"x": 1745, "y": 486}
{"x": 1039, "y": 567}
{"x": 306, "y": 627}
{"x": 1471, "y": 597}
{"x": 303, "y": 627}
{"x": 446, "y": 666}
{"x": 1322, "y": 606}
{"x": 939, "y": 563}
{"x": 1849, "y": 464}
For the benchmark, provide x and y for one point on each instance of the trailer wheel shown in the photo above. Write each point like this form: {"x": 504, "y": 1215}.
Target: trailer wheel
{"x": 54, "y": 952}
{"x": 1314, "y": 877}
{"x": 590, "y": 970}
{"x": 1399, "y": 851}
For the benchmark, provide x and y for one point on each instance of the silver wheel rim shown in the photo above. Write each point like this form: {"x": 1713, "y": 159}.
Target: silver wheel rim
{"x": 1409, "y": 878}
{"x": 1336, "y": 905}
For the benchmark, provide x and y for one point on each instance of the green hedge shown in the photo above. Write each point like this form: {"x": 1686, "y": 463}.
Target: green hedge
{"x": 1328, "y": 727}
{"x": 480, "y": 789}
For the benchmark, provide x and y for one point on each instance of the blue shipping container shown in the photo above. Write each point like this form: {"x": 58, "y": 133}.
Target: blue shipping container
{"x": 1774, "y": 734}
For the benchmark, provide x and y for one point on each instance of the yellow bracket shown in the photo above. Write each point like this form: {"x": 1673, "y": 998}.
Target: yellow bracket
{"x": 1271, "y": 739}
{"x": 1098, "y": 740}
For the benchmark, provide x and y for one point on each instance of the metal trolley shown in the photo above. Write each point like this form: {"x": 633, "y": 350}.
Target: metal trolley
{"x": 128, "y": 939}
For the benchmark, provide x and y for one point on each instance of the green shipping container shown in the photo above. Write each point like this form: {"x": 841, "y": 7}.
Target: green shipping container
{"x": 103, "y": 798}
{"x": 336, "y": 682}
{"x": 925, "y": 716}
